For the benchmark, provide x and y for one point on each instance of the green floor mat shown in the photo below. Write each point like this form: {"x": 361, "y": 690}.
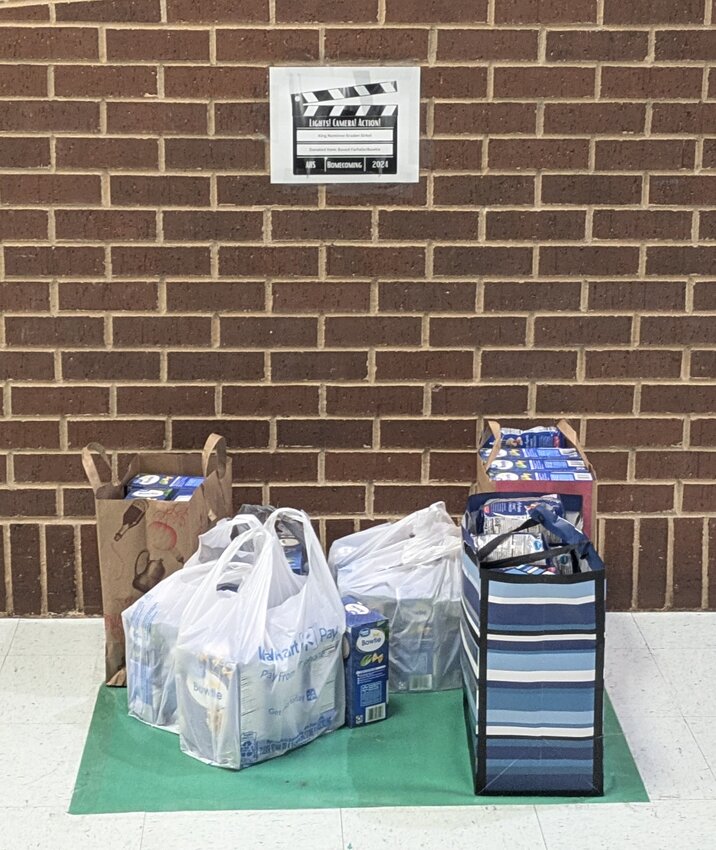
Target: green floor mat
{"x": 417, "y": 757}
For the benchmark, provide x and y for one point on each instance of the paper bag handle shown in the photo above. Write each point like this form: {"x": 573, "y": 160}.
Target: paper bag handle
{"x": 569, "y": 432}
{"x": 482, "y": 479}
{"x": 215, "y": 445}
{"x": 90, "y": 464}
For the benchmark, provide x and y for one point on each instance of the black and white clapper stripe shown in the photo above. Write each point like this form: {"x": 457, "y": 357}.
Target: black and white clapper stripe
{"x": 367, "y": 90}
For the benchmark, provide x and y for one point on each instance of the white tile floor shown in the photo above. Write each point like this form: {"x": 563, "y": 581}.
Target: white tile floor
{"x": 661, "y": 674}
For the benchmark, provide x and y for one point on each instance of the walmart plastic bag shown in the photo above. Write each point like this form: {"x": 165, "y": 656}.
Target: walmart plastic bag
{"x": 261, "y": 673}
{"x": 409, "y": 570}
{"x": 151, "y": 624}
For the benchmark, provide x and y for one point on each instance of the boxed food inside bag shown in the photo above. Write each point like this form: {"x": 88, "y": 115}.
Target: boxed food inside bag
{"x": 366, "y": 659}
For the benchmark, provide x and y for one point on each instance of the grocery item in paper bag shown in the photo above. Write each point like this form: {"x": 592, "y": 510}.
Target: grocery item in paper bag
{"x": 151, "y": 624}
{"x": 262, "y": 673}
{"x": 366, "y": 664}
{"x": 538, "y": 437}
{"x": 409, "y": 570}
{"x": 556, "y": 475}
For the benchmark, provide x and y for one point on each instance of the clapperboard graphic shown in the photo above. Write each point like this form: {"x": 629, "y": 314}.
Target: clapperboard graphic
{"x": 342, "y": 131}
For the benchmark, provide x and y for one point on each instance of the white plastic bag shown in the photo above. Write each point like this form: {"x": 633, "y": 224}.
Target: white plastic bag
{"x": 409, "y": 570}
{"x": 151, "y": 626}
{"x": 261, "y": 673}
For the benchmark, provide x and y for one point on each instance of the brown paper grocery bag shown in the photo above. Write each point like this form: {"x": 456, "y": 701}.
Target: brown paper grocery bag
{"x": 142, "y": 541}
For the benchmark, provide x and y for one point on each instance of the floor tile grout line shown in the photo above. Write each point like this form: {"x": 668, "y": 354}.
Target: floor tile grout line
{"x": 541, "y": 830}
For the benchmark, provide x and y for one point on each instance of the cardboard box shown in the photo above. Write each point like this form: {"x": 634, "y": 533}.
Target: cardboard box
{"x": 366, "y": 664}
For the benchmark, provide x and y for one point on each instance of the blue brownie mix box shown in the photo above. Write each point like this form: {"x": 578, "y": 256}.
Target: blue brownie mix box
{"x": 366, "y": 663}
{"x": 536, "y": 465}
{"x": 166, "y": 488}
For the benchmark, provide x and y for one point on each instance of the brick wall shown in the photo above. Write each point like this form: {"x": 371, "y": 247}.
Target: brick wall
{"x": 557, "y": 257}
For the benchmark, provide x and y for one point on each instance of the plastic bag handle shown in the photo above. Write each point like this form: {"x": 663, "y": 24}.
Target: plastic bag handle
{"x": 215, "y": 445}
{"x": 318, "y": 566}
{"x": 90, "y": 464}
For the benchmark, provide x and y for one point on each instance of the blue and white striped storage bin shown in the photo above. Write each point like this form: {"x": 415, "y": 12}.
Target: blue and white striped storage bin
{"x": 533, "y": 671}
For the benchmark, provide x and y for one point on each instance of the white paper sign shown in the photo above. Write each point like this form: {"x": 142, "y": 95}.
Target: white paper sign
{"x": 345, "y": 125}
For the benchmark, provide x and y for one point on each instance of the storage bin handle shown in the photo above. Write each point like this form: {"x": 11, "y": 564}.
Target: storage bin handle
{"x": 90, "y": 464}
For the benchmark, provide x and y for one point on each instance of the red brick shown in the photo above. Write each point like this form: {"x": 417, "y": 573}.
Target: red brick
{"x": 688, "y": 534}
{"x": 207, "y": 296}
{"x": 180, "y": 331}
{"x": 32, "y": 261}
{"x": 117, "y": 433}
{"x": 544, "y": 82}
{"x": 91, "y": 586}
{"x": 707, "y": 225}
{"x": 237, "y": 119}
{"x": 699, "y": 497}
{"x": 653, "y": 554}
{"x": 489, "y": 190}
{"x": 618, "y": 363}
{"x": 275, "y": 466}
{"x": 524, "y": 296}
{"x": 528, "y": 226}
{"x": 418, "y": 225}
{"x": 696, "y": 118}
{"x": 531, "y": 364}
{"x": 451, "y": 154}
{"x": 49, "y": 116}
{"x": 326, "y": 433}
{"x": 263, "y": 261}
{"x": 221, "y": 11}
{"x": 268, "y": 332}
{"x": 375, "y": 262}
{"x": 434, "y": 11}
{"x": 679, "y": 464}
{"x": 263, "y": 45}
{"x": 108, "y": 295}
{"x": 50, "y": 468}
{"x": 423, "y": 365}
{"x": 319, "y": 365}
{"x": 583, "y": 330}
{"x": 49, "y": 44}
{"x": 630, "y": 433}
{"x": 374, "y": 401}
{"x": 618, "y": 553}
{"x": 588, "y": 260}
{"x": 637, "y": 295}
{"x": 212, "y": 226}
{"x": 469, "y": 44}
{"x": 353, "y": 331}
{"x": 453, "y": 82}
{"x": 159, "y": 260}
{"x": 690, "y": 44}
{"x": 672, "y": 398}
{"x": 23, "y": 566}
{"x": 24, "y": 225}
{"x": 545, "y": 12}
{"x": 653, "y": 12}
{"x": 320, "y": 501}
{"x": 599, "y": 119}
{"x": 215, "y": 154}
{"x": 640, "y": 155}
{"x": 357, "y": 195}
{"x": 158, "y": 45}
{"x": 130, "y": 11}
{"x": 258, "y": 191}
{"x": 586, "y": 398}
{"x": 201, "y": 83}
{"x": 239, "y": 433}
{"x": 106, "y": 153}
{"x": 23, "y": 81}
{"x": 339, "y": 11}
{"x": 300, "y": 225}
{"x": 453, "y": 466}
{"x": 59, "y": 400}
{"x": 422, "y": 434}
{"x": 317, "y": 297}
{"x": 425, "y": 297}
{"x": 399, "y": 500}
{"x": 651, "y": 83}
{"x": 34, "y": 502}
{"x": 690, "y": 190}
{"x": 500, "y": 262}
{"x": 47, "y": 189}
{"x": 110, "y": 365}
{"x": 703, "y": 364}
{"x": 61, "y": 589}
{"x": 388, "y": 43}
{"x": 475, "y": 401}
{"x": 27, "y": 366}
{"x": 33, "y": 434}
{"x": 485, "y": 118}
{"x": 596, "y": 45}
{"x": 636, "y": 498}
{"x": 206, "y": 365}
{"x": 591, "y": 189}
{"x": 105, "y": 81}
{"x": 610, "y": 466}
{"x": 641, "y": 225}
{"x": 163, "y": 191}
{"x": 186, "y": 400}
{"x": 40, "y": 12}
{"x": 373, "y": 466}
{"x": 680, "y": 261}
{"x": 477, "y": 331}
{"x": 534, "y": 154}
{"x": 705, "y": 295}
{"x": 166, "y": 117}
{"x": 276, "y": 400}
{"x": 18, "y": 152}
{"x": 105, "y": 225}
{"x": 54, "y": 332}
